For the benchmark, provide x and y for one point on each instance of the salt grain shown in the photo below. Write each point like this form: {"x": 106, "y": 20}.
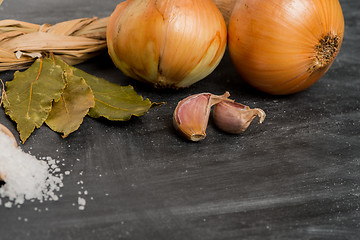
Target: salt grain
{"x": 27, "y": 178}
{"x": 81, "y": 203}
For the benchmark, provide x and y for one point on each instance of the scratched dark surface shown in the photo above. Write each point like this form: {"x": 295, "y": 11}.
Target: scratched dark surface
{"x": 296, "y": 176}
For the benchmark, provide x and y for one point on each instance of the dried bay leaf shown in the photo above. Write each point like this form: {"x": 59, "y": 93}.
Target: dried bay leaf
{"x": 61, "y": 95}
{"x": 31, "y": 93}
{"x": 112, "y": 101}
{"x": 117, "y": 103}
{"x": 68, "y": 113}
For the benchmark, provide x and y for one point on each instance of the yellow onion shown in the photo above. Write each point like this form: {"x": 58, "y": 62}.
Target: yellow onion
{"x": 169, "y": 43}
{"x": 283, "y": 46}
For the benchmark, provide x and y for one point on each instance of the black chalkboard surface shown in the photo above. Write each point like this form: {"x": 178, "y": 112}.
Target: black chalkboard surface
{"x": 296, "y": 176}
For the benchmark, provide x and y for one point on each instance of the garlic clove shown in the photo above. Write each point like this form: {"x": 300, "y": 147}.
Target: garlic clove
{"x": 235, "y": 118}
{"x": 191, "y": 115}
{"x": 8, "y": 133}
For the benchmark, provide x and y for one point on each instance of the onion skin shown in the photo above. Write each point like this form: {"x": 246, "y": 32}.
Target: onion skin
{"x": 168, "y": 43}
{"x": 225, "y": 7}
{"x": 284, "y": 47}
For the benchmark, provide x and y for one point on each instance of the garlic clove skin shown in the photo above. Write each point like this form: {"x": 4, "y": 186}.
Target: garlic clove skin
{"x": 191, "y": 115}
{"x": 235, "y": 118}
{"x": 167, "y": 43}
{"x": 8, "y": 133}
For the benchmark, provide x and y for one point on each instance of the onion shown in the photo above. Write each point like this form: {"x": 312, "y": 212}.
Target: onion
{"x": 283, "y": 46}
{"x": 169, "y": 43}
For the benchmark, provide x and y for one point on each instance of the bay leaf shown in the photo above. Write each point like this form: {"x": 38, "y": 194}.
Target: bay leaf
{"x": 29, "y": 96}
{"x": 112, "y": 101}
{"x": 68, "y": 113}
{"x": 117, "y": 103}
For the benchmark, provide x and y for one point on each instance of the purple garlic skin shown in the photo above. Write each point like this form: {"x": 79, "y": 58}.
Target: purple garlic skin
{"x": 235, "y": 118}
{"x": 191, "y": 115}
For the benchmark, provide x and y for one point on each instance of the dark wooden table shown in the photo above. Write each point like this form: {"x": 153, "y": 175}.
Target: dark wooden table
{"x": 296, "y": 176}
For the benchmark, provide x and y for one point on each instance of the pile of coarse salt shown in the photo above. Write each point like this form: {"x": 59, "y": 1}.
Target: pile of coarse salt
{"x": 26, "y": 177}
